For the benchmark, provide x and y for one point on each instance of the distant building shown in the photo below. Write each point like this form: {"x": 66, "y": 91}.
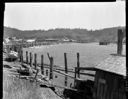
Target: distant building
{"x": 30, "y": 40}
{"x": 50, "y": 40}
{"x": 104, "y": 43}
{"x": 6, "y": 40}
{"x": 65, "y": 39}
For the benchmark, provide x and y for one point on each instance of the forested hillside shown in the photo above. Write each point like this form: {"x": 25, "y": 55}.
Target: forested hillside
{"x": 109, "y": 34}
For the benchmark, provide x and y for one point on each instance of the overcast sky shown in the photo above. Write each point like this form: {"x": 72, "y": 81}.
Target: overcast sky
{"x": 30, "y": 16}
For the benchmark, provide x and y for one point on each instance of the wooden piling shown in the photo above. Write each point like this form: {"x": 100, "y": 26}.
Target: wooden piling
{"x": 66, "y": 68}
{"x": 26, "y": 57}
{"x": 30, "y": 59}
{"x": 51, "y": 66}
{"x": 120, "y": 41}
{"x": 75, "y": 77}
{"x": 46, "y": 72}
{"x": 78, "y": 65}
{"x": 21, "y": 56}
{"x": 42, "y": 64}
{"x": 35, "y": 60}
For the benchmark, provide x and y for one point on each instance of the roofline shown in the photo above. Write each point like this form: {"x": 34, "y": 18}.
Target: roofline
{"x": 98, "y": 69}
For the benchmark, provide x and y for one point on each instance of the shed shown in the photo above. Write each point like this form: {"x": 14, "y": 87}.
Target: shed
{"x": 111, "y": 74}
{"x": 110, "y": 78}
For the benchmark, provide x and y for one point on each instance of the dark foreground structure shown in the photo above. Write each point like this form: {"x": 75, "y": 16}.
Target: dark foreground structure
{"x": 110, "y": 77}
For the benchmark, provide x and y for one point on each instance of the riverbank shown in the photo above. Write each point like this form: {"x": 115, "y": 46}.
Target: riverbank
{"x": 15, "y": 88}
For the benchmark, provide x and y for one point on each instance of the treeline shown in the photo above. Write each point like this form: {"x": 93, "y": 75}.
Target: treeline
{"x": 82, "y": 35}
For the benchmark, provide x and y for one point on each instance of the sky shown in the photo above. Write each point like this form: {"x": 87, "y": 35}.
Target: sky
{"x": 85, "y": 15}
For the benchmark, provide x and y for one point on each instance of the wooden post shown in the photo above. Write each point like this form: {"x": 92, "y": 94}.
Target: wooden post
{"x": 120, "y": 40}
{"x": 32, "y": 44}
{"x": 78, "y": 65}
{"x": 19, "y": 53}
{"x": 21, "y": 57}
{"x": 35, "y": 58}
{"x": 51, "y": 66}
{"x": 26, "y": 57}
{"x": 75, "y": 77}
{"x": 30, "y": 59}
{"x": 46, "y": 72}
{"x": 42, "y": 64}
{"x": 66, "y": 68}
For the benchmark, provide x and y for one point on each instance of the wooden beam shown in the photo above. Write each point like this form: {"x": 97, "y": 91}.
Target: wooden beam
{"x": 63, "y": 73}
{"x": 87, "y": 68}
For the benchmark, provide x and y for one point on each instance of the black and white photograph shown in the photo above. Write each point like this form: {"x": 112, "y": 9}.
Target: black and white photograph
{"x": 64, "y": 50}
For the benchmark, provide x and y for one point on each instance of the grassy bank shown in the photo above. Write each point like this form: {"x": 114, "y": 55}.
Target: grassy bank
{"x": 14, "y": 88}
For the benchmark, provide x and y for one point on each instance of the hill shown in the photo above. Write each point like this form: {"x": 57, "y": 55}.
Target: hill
{"x": 109, "y": 34}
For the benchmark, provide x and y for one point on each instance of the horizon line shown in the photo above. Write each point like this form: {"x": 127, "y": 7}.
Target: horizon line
{"x": 62, "y": 28}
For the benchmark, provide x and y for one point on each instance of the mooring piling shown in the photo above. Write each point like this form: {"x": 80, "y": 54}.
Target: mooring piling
{"x": 51, "y": 66}
{"x": 78, "y": 65}
{"x": 21, "y": 57}
{"x": 66, "y": 68}
{"x": 42, "y": 64}
{"x": 46, "y": 72}
{"x": 26, "y": 57}
{"x": 75, "y": 76}
{"x": 35, "y": 60}
{"x": 30, "y": 59}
